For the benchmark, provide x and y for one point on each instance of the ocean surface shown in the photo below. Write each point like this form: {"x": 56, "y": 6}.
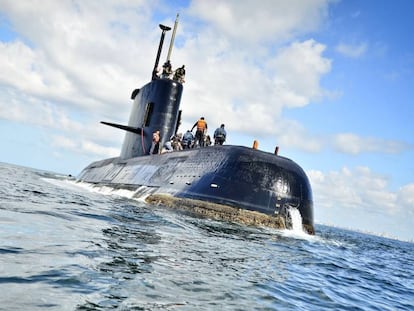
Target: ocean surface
{"x": 64, "y": 246}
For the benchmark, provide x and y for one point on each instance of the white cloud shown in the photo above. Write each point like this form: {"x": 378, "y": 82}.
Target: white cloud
{"x": 30, "y": 110}
{"x": 243, "y": 92}
{"x": 360, "y": 199}
{"x": 406, "y": 197}
{"x": 65, "y": 142}
{"x": 76, "y": 54}
{"x": 83, "y": 146}
{"x": 298, "y": 69}
{"x": 78, "y": 66}
{"x": 83, "y": 58}
{"x": 291, "y": 134}
{"x": 267, "y": 20}
{"x": 24, "y": 108}
{"x": 93, "y": 148}
{"x": 353, "y": 144}
{"x": 358, "y": 188}
{"x": 352, "y": 51}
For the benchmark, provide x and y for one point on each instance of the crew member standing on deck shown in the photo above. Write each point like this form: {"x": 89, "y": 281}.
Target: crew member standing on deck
{"x": 201, "y": 125}
{"x": 179, "y": 74}
{"x": 220, "y": 135}
{"x": 187, "y": 141}
{"x": 166, "y": 70}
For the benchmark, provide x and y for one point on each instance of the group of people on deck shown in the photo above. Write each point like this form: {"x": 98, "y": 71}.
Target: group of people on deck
{"x": 201, "y": 137}
{"x": 188, "y": 140}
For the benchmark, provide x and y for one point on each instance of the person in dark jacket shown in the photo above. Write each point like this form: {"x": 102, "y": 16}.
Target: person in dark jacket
{"x": 187, "y": 141}
{"x": 220, "y": 135}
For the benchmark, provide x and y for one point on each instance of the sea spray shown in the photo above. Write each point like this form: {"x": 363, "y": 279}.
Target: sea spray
{"x": 296, "y": 220}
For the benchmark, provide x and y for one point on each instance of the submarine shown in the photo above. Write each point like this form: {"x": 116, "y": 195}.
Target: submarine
{"x": 225, "y": 182}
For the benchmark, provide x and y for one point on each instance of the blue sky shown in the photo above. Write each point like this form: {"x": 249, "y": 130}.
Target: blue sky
{"x": 330, "y": 82}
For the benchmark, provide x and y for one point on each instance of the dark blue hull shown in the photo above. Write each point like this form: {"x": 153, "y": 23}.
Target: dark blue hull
{"x": 235, "y": 176}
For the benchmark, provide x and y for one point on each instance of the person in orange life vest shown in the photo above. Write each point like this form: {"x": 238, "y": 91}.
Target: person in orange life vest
{"x": 201, "y": 125}
{"x": 155, "y": 146}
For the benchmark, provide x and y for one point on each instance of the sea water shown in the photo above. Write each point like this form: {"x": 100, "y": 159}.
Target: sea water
{"x": 66, "y": 247}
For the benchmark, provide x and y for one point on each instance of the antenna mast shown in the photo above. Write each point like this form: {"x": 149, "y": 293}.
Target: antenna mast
{"x": 164, "y": 30}
{"x": 172, "y": 38}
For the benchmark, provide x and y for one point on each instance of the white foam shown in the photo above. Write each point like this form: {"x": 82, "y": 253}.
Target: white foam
{"x": 296, "y": 220}
{"x": 297, "y": 230}
{"x": 70, "y": 184}
{"x": 139, "y": 194}
{"x": 80, "y": 185}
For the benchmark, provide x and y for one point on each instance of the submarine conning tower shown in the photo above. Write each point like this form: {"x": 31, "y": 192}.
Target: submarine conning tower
{"x": 156, "y": 107}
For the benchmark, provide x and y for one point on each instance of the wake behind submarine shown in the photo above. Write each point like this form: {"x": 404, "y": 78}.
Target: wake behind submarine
{"x": 225, "y": 182}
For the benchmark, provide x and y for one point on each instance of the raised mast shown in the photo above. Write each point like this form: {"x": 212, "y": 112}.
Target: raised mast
{"x": 172, "y": 38}
{"x": 157, "y": 60}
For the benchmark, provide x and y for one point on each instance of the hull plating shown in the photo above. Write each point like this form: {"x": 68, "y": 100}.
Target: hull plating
{"x": 234, "y": 176}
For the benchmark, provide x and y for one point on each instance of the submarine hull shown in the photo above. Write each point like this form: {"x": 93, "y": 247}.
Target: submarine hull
{"x": 232, "y": 176}
{"x": 233, "y": 182}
